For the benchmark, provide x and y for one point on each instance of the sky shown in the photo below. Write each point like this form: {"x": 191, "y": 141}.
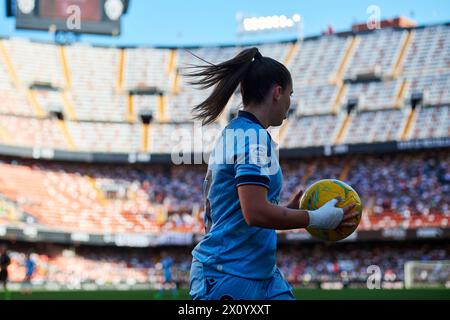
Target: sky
{"x": 213, "y": 22}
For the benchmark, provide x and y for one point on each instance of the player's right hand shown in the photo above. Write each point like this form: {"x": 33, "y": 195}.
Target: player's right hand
{"x": 329, "y": 217}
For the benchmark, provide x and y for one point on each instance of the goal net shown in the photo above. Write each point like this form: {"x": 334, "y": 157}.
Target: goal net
{"x": 427, "y": 274}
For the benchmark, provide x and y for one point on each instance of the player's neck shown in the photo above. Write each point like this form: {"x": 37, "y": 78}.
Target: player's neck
{"x": 259, "y": 111}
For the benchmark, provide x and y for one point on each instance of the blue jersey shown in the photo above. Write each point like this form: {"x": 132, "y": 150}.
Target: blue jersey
{"x": 29, "y": 266}
{"x": 167, "y": 264}
{"x": 244, "y": 154}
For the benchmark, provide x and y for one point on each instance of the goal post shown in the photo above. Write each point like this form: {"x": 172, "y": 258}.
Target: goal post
{"x": 427, "y": 274}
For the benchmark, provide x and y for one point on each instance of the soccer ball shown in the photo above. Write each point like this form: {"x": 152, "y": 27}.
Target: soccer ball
{"x": 323, "y": 191}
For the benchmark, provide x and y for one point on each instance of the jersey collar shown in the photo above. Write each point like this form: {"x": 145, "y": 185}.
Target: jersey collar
{"x": 249, "y": 116}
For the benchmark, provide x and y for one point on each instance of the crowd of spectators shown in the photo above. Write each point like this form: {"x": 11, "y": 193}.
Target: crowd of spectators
{"x": 406, "y": 185}
{"x": 351, "y": 263}
{"x": 302, "y": 265}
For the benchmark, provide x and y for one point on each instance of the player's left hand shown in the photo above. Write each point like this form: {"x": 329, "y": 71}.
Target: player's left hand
{"x": 294, "y": 203}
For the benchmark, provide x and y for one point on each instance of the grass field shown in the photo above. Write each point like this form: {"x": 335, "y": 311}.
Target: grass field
{"x": 301, "y": 294}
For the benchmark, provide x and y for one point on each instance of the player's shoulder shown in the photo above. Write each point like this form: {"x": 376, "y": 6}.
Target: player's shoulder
{"x": 241, "y": 126}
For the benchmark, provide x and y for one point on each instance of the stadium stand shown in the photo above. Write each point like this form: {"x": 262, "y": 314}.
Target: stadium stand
{"x": 94, "y": 90}
{"x": 375, "y": 126}
{"x": 317, "y": 61}
{"x": 404, "y": 190}
{"x": 431, "y": 122}
{"x": 9, "y": 211}
{"x": 147, "y": 103}
{"x": 105, "y": 137}
{"x": 44, "y": 56}
{"x": 99, "y": 111}
{"x": 128, "y": 198}
{"x": 173, "y": 138}
{"x": 312, "y": 130}
{"x": 49, "y": 100}
{"x": 376, "y": 53}
{"x": 177, "y": 105}
{"x": 348, "y": 264}
{"x": 423, "y": 182}
{"x": 101, "y": 199}
{"x": 32, "y": 132}
{"x": 118, "y": 89}
{"x": 305, "y": 266}
{"x": 320, "y": 99}
{"x": 377, "y": 95}
{"x": 434, "y": 87}
{"x": 429, "y": 52}
{"x": 13, "y": 99}
{"x": 148, "y": 68}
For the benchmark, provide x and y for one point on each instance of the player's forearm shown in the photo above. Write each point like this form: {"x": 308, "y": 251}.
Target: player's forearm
{"x": 271, "y": 216}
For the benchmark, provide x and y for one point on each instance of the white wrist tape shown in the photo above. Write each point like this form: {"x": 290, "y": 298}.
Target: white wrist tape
{"x": 326, "y": 217}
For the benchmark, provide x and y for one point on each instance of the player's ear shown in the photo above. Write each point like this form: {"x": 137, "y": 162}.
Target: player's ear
{"x": 277, "y": 92}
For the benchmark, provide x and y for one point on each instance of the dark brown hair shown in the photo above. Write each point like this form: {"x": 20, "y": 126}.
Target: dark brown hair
{"x": 255, "y": 74}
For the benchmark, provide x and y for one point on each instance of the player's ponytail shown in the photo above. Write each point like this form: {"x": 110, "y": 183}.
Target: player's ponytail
{"x": 255, "y": 73}
{"x": 226, "y": 76}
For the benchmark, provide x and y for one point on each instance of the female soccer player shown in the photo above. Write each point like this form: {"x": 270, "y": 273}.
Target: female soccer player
{"x": 237, "y": 257}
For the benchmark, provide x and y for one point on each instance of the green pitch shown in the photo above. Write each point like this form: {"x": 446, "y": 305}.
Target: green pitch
{"x": 301, "y": 294}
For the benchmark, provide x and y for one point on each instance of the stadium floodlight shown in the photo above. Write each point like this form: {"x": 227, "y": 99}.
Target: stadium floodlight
{"x": 269, "y": 23}
{"x": 251, "y": 25}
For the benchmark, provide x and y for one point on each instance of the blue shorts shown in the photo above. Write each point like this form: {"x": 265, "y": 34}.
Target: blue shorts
{"x": 167, "y": 277}
{"x": 208, "y": 284}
